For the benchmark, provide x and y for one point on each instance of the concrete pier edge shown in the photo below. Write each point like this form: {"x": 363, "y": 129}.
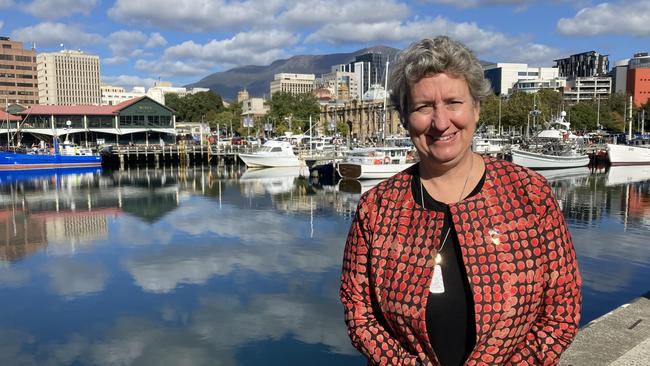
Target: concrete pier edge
{"x": 618, "y": 338}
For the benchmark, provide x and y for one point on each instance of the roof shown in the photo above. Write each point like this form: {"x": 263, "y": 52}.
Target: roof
{"x": 79, "y": 110}
{"x": 4, "y": 116}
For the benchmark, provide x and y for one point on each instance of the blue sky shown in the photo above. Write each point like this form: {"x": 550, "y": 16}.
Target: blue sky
{"x": 140, "y": 41}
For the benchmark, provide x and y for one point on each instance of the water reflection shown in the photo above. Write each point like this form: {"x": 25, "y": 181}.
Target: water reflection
{"x": 226, "y": 266}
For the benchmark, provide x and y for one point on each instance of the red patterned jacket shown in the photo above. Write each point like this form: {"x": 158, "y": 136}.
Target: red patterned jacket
{"x": 518, "y": 254}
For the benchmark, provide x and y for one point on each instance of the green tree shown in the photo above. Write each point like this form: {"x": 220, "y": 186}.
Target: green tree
{"x": 292, "y": 111}
{"x": 194, "y": 107}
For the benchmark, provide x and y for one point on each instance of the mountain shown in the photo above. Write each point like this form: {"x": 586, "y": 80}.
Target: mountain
{"x": 256, "y": 79}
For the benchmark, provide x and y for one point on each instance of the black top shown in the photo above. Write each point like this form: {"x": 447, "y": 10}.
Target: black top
{"x": 450, "y": 315}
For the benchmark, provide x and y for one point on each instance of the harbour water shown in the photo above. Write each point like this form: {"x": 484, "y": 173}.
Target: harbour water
{"x": 223, "y": 266}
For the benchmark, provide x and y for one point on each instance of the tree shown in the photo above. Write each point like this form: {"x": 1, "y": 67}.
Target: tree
{"x": 194, "y": 107}
{"x": 291, "y": 112}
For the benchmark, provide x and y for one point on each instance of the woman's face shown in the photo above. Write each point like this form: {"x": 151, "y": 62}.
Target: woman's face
{"x": 442, "y": 119}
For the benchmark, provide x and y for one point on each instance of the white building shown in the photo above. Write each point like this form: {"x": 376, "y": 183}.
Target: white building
{"x": 254, "y": 107}
{"x": 587, "y": 88}
{"x": 159, "y": 89}
{"x": 114, "y": 95}
{"x": 504, "y": 76}
{"x": 293, "y": 83}
{"x": 68, "y": 78}
{"x": 535, "y": 85}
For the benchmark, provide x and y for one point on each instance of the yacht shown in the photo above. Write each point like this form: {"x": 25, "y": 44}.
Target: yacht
{"x": 272, "y": 154}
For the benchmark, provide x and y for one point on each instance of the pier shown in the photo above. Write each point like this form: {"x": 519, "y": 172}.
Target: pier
{"x": 618, "y": 338}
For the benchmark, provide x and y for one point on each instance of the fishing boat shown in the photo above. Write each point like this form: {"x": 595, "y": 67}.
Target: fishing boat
{"x": 276, "y": 180}
{"x": 376, "y": 162}
{"x": 628, "y": 154}
{"x": 549, "y": 160}
{"x": 273, "y": 153}
{"x": 65, "y": 155}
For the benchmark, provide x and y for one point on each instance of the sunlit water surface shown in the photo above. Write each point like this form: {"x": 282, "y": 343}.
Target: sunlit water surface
{"x": 222, "y": 266}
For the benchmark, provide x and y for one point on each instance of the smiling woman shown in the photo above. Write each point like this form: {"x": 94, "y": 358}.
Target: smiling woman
{"x": 458, "y": 259}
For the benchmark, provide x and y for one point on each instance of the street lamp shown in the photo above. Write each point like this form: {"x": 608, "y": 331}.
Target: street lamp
{"x": 68, "y": 123}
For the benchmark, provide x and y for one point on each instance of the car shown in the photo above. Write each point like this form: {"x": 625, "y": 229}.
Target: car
{"x": 236, "y": 140}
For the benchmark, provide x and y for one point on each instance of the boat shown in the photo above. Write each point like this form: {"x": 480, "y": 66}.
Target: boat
{"x": 628, "y": 154}
{"x": 549, "y": 160}
{"x": 273, "y": 153}
{"x": 12, "y": 176}
{"x": 553, "y": 175}
{"x": 67, "y": 155}
{"x": 617, "y": 175}
{"x": 490, "y": 145}
{"x": 376, "y": 162}
{"x": 272, "y": 180}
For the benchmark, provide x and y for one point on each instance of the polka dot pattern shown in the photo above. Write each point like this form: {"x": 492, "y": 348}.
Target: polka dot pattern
{"x": 517, "y": 252}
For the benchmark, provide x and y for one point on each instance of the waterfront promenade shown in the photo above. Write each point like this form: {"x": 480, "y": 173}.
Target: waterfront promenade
{"x": 618, "y": 338}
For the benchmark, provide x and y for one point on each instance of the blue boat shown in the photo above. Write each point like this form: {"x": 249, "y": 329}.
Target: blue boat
{"x": 68, "y": 155}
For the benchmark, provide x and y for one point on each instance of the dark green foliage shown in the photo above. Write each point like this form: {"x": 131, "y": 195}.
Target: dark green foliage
{"x": 194, "y": 107}
{"x": 292, "y": 111}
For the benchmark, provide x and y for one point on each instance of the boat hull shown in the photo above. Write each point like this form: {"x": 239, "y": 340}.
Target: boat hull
{"x": 542, "y": 161}
{"x": 19, "y": 161}
{"x": 628, "y": 155}
{"x": 268, "y": 161}
{"x": 370, "y": 171}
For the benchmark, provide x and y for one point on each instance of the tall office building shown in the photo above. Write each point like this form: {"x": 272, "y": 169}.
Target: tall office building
{"x": 374, "y": 70}
{"x": 68, "y": 78}
{"x": 18, "y": 83}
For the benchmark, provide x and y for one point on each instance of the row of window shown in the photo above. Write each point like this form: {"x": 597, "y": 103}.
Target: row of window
{"x": 19, "y": 76}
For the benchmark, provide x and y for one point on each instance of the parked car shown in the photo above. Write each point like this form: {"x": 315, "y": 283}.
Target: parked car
{"x": 236, "y": 140}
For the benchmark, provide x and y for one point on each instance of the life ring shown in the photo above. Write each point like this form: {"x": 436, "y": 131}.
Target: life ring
{"x": 387, "y": 160}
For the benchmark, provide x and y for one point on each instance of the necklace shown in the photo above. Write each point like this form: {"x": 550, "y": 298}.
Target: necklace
{"x": 437, "y": 284}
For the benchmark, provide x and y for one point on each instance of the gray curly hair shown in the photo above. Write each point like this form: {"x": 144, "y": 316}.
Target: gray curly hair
{"x": 432, "y": 56}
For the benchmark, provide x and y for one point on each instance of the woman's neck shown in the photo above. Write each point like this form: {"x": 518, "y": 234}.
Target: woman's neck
{"x": 450, "y": 184}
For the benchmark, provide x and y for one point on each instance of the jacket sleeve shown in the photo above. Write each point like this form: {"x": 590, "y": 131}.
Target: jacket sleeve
{"x": 558, "y": 319}
{"x": 361, "y": 318}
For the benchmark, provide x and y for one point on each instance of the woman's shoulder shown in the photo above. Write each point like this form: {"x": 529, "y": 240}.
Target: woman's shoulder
{"x": 503, "y": 173}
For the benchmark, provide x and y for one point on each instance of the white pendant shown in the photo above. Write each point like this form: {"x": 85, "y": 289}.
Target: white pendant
{"x": 437, "y": 284}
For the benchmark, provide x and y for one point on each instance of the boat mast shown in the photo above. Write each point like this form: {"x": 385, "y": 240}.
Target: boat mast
{"x": 7, "y": 118}
{"x": 629, "y": 133}
{"x": 383, "y": 127}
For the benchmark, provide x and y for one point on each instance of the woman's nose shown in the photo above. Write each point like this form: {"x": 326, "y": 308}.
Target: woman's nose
{"x": 440, "y": 119}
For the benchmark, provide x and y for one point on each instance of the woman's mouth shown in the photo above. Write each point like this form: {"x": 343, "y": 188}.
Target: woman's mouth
{"x": 445, "y": 137}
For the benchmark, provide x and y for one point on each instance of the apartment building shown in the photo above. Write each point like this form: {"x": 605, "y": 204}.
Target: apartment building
{"x": 505, "y": 78}
{"x": 68, "y": 78}
{"x": 585, "y": 64}
{"x": 18, "y": 77}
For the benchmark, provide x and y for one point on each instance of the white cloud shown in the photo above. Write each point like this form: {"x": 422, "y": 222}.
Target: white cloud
{"x": 477, "y": 3}
{"x": 13, "y": 277}
{"x": 193, "y": 15}
{"x": 616, "y": 18}
{"x": 72, "y": 279}
{"x": 124, "y": 45}
{"x": 52, "y": 9}
{"x": 2, "y": 23}
{"x": 317, "y": 12}
{"x": 155, "y": 40}
{"x": 193, "y": 59}
{"x": 485, "y": 43}
{"x": 128, "y": 81}
{"x": 5, "y": 4}
{"x": 52, "y": 34}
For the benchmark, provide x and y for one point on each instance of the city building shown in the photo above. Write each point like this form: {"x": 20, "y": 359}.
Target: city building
{"x": 504, "y": 76}
{"x": 587, "y": 88}
{"x": 585, "y": 64}
{"x": 254, "y": 108}
{"x": 343, "y": 85}
{"x": 68, "y": 78}
{"x": 365, "y": 71}
{"x": 364, "y": 119}
{"x": 18, "y": 77}
{"x": 242, "y": 95}
{"x": 293, "y": 83}
{"x": 160, "y": 88}
{"x": 114, "y": 95}
{"x": 619, "y": 76}
{"x": 535, "y": 85}
{"x": 638, "y": 78}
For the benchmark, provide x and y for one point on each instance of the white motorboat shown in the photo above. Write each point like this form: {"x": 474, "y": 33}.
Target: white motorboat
{"x": 376, "y": 162}
{"x": 628, "y": 154}
{"x": 617, "y": 175}
{"x": 539, "y": 160}
{"x": 277, "y": 180}
{"x": 490, "y": 145}
{"x": 272, "y": 154}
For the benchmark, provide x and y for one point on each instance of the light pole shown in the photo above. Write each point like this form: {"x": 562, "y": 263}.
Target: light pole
{"x": 68, "y": 123}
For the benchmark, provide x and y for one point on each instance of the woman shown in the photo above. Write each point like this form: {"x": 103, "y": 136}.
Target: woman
{"x": 460, "y": 259}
